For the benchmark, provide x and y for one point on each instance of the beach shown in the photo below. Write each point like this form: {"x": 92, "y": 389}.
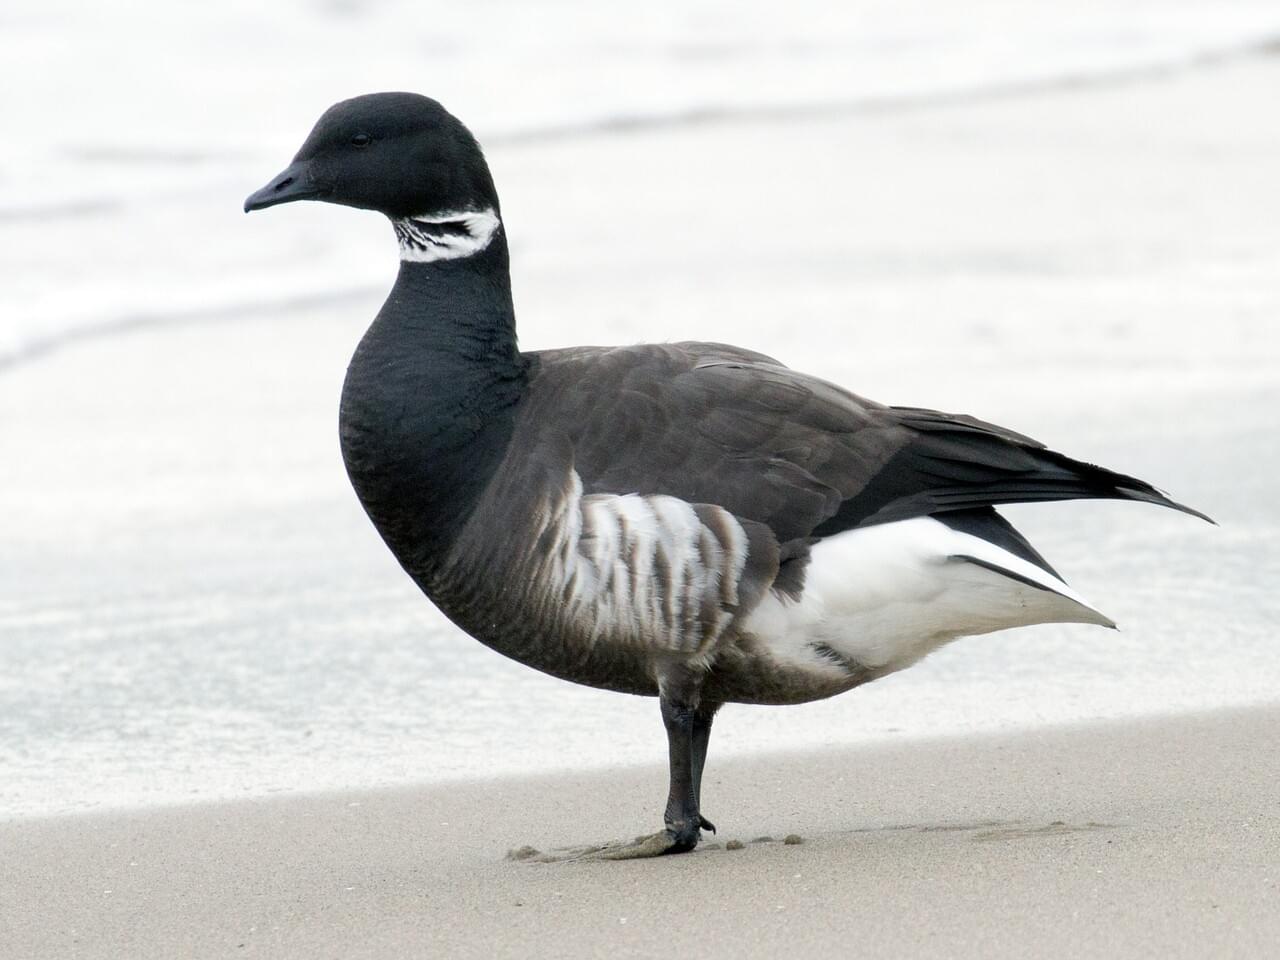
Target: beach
{"x": 229, "y": 725}
{"x": 1151, "y": 838}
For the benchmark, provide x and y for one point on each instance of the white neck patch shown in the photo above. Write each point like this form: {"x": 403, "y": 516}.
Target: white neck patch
{"x": 445, "y": 236}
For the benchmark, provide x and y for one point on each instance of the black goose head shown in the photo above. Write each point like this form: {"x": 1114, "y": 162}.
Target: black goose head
{"x": 399, "y": 153}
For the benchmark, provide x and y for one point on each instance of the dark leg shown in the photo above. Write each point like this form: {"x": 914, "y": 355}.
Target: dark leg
{"x": 701, "y": 735}
{"x": 688, "y": 723}
{"x": 682, "y": 818}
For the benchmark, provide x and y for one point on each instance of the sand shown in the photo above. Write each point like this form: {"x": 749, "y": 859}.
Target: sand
{"x": 1157, "y": 838}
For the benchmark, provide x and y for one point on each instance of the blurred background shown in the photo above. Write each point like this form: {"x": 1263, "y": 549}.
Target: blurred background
{"x": 1061, "y": 217}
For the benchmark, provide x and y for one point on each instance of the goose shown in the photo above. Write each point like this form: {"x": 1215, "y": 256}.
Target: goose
{"x": 689, "y": 521}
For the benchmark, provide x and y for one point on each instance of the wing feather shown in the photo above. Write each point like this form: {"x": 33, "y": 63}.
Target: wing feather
{"x": 715, "y": 424}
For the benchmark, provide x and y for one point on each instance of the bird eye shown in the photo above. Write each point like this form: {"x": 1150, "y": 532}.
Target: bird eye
{"x": 361, "y": 140}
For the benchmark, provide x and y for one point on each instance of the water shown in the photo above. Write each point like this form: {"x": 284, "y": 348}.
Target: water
{"x": 192, "y": 605}
{"x": 135, "y": 124}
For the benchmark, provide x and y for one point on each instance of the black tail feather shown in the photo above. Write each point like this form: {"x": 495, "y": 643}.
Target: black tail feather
{"x": 959, "y": 463}
{"x": 1110, "y": 485}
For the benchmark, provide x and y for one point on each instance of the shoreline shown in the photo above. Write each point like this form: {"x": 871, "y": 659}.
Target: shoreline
{"x": 1139, "y": 837}
{"x": 891, "y": 740}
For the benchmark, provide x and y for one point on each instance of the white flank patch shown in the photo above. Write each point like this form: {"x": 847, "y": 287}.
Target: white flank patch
{"x": 644, "y": 570}
{"x": 466, "y": 232}
{"x": 887, "y": 595}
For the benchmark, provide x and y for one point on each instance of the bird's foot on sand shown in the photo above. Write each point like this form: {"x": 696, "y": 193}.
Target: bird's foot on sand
{"x": 670, "y": 840}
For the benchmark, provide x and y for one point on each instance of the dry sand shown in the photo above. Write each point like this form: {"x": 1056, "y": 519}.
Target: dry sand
{"x": 1150, "y": 838}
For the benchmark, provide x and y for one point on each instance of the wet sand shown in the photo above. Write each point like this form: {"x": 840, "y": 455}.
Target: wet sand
{"x": 192, "y": 591}
{"x": 195, "y": 606}
{"x": 1150, "y": 838}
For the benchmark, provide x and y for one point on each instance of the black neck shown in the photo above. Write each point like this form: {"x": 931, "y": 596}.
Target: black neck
{"x": 429, "y": 401}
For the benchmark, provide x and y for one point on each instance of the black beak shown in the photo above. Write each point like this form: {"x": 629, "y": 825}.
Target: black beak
{"x": 293, "y": 183}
